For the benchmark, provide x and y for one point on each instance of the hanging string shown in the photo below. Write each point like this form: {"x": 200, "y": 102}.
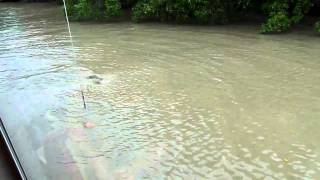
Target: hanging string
{"x": 71, "y": 41}
{"x": 67, "y": 18}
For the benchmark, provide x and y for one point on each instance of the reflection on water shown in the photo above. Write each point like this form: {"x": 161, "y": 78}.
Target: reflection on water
{"x": 164, "y": 102}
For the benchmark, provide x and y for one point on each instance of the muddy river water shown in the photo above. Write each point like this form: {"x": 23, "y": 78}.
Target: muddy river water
{"x": 163, "y": 101}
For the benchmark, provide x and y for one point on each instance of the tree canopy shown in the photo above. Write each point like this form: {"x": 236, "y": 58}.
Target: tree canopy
{"x": 280, "y": 15}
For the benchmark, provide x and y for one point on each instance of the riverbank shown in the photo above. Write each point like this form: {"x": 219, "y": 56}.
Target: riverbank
{"x": 250, "y": 22}
{"x": 280, "y": 16}
{"x": 141, "y": 12}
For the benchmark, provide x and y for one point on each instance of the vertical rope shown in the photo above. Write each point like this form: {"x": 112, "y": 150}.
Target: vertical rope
{"x": 71, "y": 40}
{"x": 67, "y": 18}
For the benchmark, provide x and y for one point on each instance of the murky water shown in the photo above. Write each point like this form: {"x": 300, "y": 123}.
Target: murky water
{"x": 169, "y": 102}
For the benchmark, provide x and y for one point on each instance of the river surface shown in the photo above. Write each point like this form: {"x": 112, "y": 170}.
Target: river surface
{"x": 163, "y": 101}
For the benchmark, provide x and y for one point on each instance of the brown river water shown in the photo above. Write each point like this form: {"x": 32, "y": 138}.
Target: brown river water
{"x": 163, "y": 101}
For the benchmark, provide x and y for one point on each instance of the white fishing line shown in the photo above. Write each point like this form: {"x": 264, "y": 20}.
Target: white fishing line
{"x": 71, "y": 40}
{"x": 67, "y": 18}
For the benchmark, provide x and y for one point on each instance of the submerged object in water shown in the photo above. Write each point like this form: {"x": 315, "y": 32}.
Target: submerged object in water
{"x": 95, "y": 77}
{"x": 88, "y": 125}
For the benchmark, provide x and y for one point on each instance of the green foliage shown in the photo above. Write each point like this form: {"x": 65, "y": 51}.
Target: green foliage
{"x": 143, "y": 10}
{"x": 317, "y": 27}
{"x": 83, "y": 10}
{"x": 274, "y": 6}
{"x": 301, "y": 7}
{"x": 278, "y": 20}
{"x": 277, "y": 23}
{"x": 283, "y": 14}
{"x": 182, "y": 11}
{"x": 70, "y": 7}
{"x": 93, "y": 9}
{"x": 113, "y": 8}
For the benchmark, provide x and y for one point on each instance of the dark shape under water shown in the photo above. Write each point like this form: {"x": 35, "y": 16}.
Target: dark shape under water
{"x": 95, "y": 77}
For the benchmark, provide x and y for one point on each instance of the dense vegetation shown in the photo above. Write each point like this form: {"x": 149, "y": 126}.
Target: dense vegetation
{"x": 317, "y": 27}
{"x": 280, "y": 15}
